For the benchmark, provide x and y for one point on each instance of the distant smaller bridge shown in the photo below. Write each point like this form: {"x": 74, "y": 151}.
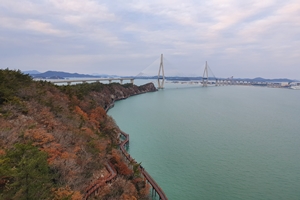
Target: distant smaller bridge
{"x": 69, "y": 81}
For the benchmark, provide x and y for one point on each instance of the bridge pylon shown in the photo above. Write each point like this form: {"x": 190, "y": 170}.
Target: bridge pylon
{"x": 161, "y": 73}
{"x": 205, "y": 76}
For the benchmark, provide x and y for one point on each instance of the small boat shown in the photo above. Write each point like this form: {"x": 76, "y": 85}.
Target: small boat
{"x": 295, "y": 87}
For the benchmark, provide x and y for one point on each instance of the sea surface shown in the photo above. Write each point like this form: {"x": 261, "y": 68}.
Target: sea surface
{"x": 227, "y": 142}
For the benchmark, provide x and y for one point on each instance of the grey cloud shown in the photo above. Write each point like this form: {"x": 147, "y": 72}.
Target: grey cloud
{"x": 241, "y": 38}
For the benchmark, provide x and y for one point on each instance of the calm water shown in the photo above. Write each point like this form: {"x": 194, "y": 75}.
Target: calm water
{"x": 230, "y": 142}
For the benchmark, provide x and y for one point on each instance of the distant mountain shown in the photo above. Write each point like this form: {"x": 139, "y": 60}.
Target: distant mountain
{"x": 30, "y": 72}
{"x": 60, "y": 75}
{"x": 49, "y": 74}
{"x": 103, "y": 75}
{"x": 259, "y": 79}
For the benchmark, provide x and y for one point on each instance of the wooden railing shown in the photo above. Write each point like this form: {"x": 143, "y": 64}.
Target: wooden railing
{"x": 93, "y": 188}
{"x": 147, "y": 176}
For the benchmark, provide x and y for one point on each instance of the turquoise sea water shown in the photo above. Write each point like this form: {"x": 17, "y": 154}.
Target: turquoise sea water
{"x": 230, "y": 142}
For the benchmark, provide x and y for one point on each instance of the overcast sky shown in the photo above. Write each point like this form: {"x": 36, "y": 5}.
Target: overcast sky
{"x": 240, "y": 38}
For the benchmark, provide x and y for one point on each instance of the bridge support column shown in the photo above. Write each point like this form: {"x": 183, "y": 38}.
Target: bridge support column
{"x": 109, "y": 80}
{"x": 161, "y": 80}
{"x": 132, "y": 81}
{"x": 121, "y": 81}
{"x": 205, "y": 76}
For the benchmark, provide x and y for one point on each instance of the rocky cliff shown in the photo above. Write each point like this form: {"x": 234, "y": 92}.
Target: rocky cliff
{"x": 56, "y": 140}
{"x": 105, "y": 94}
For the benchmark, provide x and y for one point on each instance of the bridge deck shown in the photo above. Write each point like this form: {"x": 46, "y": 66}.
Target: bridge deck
{"x": 86, "y": 80}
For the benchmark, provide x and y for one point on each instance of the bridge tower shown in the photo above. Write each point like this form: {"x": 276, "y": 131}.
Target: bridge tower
{"x": 161, "y": 73}
{"x": 205, "y": 76}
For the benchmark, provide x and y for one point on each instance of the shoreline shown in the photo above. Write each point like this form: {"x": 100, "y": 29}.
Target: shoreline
{"x": 112, "y": 104}
{"x": 155, "y": 187}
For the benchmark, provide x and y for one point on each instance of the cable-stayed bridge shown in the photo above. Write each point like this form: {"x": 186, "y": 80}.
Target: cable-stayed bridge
{"x": 172, "y": 74}
{"x": 163, "y": 70}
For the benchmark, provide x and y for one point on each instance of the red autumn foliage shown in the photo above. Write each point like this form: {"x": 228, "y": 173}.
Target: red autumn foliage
{"x": 73, "y": 130}
{"x": 119, "y": 164}
{"x": 2, "y": 152}
{"x": 66, "y": 193}
{"x": 81, "y": 113}
{"x": 39, "y": 136}
{"x": 97, "y": 116}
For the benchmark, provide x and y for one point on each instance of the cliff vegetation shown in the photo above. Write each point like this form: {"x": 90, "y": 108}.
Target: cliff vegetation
{"x": 56, "y": 140}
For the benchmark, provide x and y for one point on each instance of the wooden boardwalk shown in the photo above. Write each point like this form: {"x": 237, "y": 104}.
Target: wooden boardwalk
{"x": 93, "y": 188}
{"x": 146, "y": 175}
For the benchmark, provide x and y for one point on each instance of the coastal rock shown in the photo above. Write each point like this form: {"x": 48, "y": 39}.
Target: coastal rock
{"x": 106, "y": 94}
{"x": 119, "y": 92}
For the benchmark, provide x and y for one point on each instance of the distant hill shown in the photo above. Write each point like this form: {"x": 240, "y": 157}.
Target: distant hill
{"x": 49, "y": 74}
{"x": 259, "y": 79}
{"x": 60, "y": 75}
{"x": 30, "y": 72}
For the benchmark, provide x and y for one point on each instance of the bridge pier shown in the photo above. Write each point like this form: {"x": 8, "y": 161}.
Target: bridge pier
{"x": 161, "y": 77}
{"x": 153, "y": 192}
{"x": 121, "y": 81}
{"x": 205, "y": 76}
{"x": 109, "y": 80}
{"x": 131, "y": 81}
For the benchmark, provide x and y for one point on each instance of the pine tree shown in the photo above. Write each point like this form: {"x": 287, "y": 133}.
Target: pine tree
{"x": 27, "y": 170}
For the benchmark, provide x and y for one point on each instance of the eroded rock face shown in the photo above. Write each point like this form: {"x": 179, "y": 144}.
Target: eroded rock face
{"x": 124, "y": 92}
{"x": 108, "y": 94}
{"x": 149, "y": 87}
{"x": 119, "y": 92}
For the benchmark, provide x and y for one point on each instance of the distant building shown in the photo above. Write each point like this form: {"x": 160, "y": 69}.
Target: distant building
{"x": 284, "y": 84}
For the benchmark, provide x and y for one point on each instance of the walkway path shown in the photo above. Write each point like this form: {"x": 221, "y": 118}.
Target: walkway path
{"x": 93, "y": 188}
{"x": 147, "y": 176}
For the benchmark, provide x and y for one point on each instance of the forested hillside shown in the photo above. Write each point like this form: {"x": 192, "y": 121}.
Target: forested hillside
{"x": 55, "y": 140}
